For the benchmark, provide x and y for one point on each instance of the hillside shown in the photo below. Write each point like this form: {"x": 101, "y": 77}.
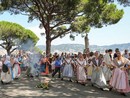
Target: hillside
{"x": 64, "y": 47}
{"x": 80, "y": 47}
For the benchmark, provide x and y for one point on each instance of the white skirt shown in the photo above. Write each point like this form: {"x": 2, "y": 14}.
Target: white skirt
{"x": 15, "y": 71}
{"x": 107, "y": 73}
{"x": 6, "y": 77}
{"x": 81, "y": 75}
{"x": 98, "y": 77}
{"x": 68, "y": 71}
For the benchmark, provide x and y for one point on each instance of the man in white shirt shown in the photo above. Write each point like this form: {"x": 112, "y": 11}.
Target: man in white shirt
{"x": 126, "y": 54}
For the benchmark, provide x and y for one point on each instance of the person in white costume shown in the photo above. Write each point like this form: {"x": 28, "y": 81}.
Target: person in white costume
{"x": 81, "y": 65}
{"x": 98, "y": 78}
{"x": 6, "y": 77}
{"x": 68, "y": 69}
{"x": 107, "y": 63}
{"x": 16, "y": 68}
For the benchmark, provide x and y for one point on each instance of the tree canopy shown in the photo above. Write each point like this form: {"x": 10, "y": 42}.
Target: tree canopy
{"x": 60, "y": 17}
{"x": 12, "y": 35}
{"x": 121, "y": 2}
{"x": 54, "y": 15}
{"x": 96, "y": 14}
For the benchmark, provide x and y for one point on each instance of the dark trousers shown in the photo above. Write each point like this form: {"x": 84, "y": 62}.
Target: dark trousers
{"x": 57, "y": 69}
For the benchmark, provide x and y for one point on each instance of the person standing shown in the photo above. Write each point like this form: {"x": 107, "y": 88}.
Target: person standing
{"x": 115, "y": 54}
{"x": 89, "y": 69}
{"x": 6, "y": 75}
{"x": 81, "y": 74}
{"x": 53, "y": 63}
{"x": 16, "y": 68}
{"x": 126, "y": 54}
{"x": 58, "y": 64}
{"x": 119, "y": 79}
{"x": 43, "y": 65}
{"x": 107, "y": 63}
{"x": 98, "y": 78}
{"x": 68, "y": 69}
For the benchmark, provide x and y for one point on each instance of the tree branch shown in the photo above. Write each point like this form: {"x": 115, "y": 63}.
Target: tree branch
{"x": 45, "y": 5}
{"x": 2, "y": 46}
{"x": 24, "y": 14}
{"x": 61, "y": 33}
{"x": 13, "y": 49}
{"x": 30, "y": 8}
{"x": 58, "y": 24}
{"x": 39, "y": 5}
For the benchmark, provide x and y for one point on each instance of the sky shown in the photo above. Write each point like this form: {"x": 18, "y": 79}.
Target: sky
{"x": 112, "y": 34}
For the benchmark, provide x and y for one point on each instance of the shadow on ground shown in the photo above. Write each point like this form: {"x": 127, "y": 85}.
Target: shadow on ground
{"x": 26, "y": 88}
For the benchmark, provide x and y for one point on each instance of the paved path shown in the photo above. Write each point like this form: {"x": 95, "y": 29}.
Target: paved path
{"x": 26, "y": 88}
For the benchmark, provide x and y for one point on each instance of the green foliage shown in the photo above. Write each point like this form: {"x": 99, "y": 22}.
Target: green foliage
{"x": 101, "y": 13}
{"x": 96, "y": 13}
{"x": 38, "y": 49}
{"x": 111, "y": 15}
{"x": 12, "y": 35}
{"x": 31, "y": 36}
{"x": 55, "y": 16}
{"x": 60, "y": 17}
{"x": 1, "y": 8}
{"x": 79, "y": 25}
{"x": 121, "y": 2}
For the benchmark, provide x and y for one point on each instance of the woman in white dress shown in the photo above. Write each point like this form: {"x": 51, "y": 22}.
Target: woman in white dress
{"x": 6, "y": 77}
{"x": 119, "y": 80}
{"x": 81, "y": 74}
{"x": 68, "y": 69}
{"x": 107, "y": 63}
{"x": 98, "y": 78}
{"x": 89, "y": 68}
{"x": 16, "y": 68}
{"x": 53, "y": 64}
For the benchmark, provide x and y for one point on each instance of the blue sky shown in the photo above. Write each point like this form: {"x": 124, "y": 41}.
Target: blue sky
{"x": 114, "y": 34}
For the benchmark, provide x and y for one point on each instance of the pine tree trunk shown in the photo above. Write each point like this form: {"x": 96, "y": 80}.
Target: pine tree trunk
{"x": 48, "y": 46}
{"x": 86, "y": 41}
{"x": 8, "y": 52}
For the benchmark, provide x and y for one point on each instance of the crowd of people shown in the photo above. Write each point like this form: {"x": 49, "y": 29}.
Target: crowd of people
{"x": 109, "y": 70}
